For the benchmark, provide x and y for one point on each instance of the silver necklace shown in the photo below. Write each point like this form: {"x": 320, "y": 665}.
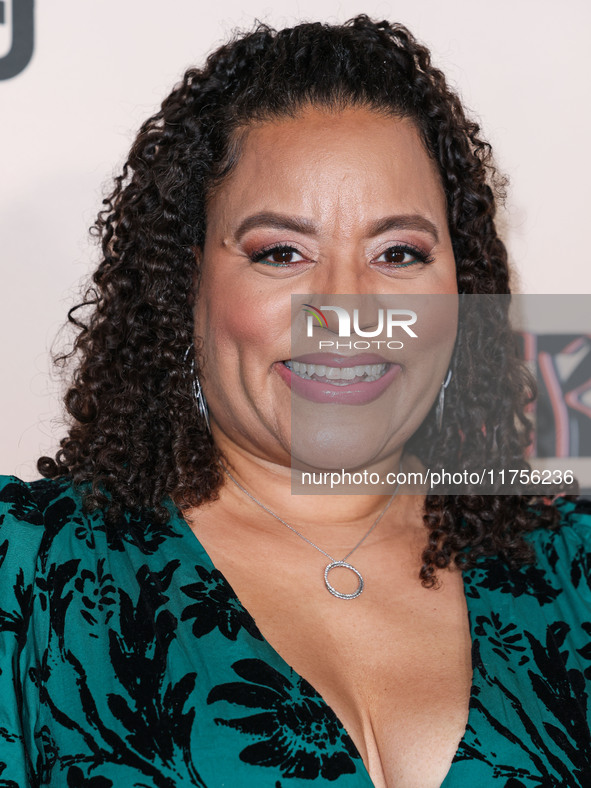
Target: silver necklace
{"x": 333, "y": 563}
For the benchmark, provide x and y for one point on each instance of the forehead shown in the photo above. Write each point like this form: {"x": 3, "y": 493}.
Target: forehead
{"x": 354, "y": 161}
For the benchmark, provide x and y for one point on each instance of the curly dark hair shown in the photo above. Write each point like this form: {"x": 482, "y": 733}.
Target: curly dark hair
{"x": 136, "y": 436}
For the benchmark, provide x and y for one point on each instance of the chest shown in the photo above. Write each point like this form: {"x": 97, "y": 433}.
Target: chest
{"x": 394, "y": 667}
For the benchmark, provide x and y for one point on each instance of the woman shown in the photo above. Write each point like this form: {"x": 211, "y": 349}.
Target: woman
{"x": 134, "y": 572}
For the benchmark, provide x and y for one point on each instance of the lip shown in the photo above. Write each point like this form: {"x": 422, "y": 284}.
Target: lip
{"x": 353, "y": 394}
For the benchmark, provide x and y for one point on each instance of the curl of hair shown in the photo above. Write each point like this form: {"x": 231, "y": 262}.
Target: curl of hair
{"x": 136, "y": 436}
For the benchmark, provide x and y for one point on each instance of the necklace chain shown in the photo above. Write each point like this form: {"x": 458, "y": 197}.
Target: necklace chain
{"x": 334, "y": 562}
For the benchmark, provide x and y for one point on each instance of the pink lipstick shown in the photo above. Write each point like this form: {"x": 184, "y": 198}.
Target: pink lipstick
{"x": 337, "y": 379}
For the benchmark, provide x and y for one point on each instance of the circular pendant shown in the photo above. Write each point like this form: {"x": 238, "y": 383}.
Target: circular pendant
{"x": 333, "y": 590}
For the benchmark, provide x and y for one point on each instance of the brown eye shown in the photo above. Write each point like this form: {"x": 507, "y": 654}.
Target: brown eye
{"x": 395, "y": 256}
{"x": 278, "y": 255}
{"x": 402, "y": 257}
{"x": 281, "y": 256}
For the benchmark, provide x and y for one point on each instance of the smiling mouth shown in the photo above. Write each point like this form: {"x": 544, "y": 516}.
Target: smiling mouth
{"x": 338, "y": 376}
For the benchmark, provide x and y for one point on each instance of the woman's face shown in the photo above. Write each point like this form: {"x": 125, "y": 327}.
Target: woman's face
{"x": 345, "y": 202}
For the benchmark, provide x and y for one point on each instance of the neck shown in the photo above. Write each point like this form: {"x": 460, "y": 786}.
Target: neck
{"x": 324, "y": 517}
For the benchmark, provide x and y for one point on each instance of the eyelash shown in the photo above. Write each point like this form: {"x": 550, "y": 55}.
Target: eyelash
{"x": 258, "y": 257}
{"x": 420, "y": 257}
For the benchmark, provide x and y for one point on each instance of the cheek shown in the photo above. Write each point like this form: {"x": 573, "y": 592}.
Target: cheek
{"x": 239, "y": 328}
{"x": 427, "y": 356}
{"x": 240, "y": 324}
{"x": 231, "y": 331}
{"x": 438, "y": 337}
{"x": 439, "y": 320}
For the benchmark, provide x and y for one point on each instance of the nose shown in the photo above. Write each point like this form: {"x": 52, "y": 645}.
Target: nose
{"x": 344, "y": 273}
{"x": 346, "y": 287}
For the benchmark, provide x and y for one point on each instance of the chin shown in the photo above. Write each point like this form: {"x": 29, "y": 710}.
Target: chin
{"x": 333, "y": 448}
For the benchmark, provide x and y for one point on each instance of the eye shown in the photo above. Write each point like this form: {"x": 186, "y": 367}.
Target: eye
{"x": 403, "y": 256}
{"x": 279, "y": 256}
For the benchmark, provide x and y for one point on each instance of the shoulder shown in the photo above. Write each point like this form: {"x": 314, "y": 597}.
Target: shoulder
{"x": 575, "y": 520}
{"x": 26, "y": 510}
{"x": 565, "y": 551}
{"x": 561, "y": 566}
{"x": 53, "y": 510}
{"x": 27, "y": 502}
{"x": 30, "y": 511}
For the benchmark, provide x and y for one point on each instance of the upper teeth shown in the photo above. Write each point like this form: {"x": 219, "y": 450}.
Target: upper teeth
{"x": 371, "y": 371}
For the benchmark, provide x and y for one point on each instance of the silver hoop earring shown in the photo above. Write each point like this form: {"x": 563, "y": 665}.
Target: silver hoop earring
{"x": 197, "y": 390}
{"x": 441, "y": 401}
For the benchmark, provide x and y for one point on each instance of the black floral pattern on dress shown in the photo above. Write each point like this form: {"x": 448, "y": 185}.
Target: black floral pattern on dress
{"x": 97, "y": 592}
{"x": 494, "y": 575}
{"x": 581, "y": 568}
{"x": 504, "y": 639}
{"x": 585, "y": 651}
{"x": 85, "y": 533}
{"x": 127, "y": 707}
{"x": 153, "y": 714}
{"x": 581, "y": 506}
{"x": 16, "y": 620}
{"x": 151, "y": 709}
{"x": 46, "y": 491}
{"x": 217, "y": 607}
{"x": 6, "y": 783}
{"x": 139, "y": 529}
{"x": 76, "y": 779}
{"x": 48, "y": 753}
{"x": 563, "y": 693}
{"x": 22, "y": 505}
{"x": 297, "y": 732}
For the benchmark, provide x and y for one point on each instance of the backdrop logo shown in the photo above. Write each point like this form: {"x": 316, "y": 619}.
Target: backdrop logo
{"x": 16, "y": 36}
{"x": 387, "y": 321}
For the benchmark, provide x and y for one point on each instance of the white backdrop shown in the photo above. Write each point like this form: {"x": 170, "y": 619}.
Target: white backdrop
{"x": 100, "y": 67}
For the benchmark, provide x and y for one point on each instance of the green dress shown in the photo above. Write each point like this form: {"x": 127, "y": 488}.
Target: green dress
{"x": 127, "y": 660}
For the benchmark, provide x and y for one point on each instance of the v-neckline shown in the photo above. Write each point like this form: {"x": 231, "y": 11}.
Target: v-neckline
{"x": 362, "y": 769}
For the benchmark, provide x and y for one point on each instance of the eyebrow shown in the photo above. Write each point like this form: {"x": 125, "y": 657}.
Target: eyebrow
{"x": 306, "y": 226}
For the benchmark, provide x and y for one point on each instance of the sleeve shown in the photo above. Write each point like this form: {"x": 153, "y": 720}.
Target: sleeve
{"x": 578, "y": 516}
{"x": 21, "y": 531}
